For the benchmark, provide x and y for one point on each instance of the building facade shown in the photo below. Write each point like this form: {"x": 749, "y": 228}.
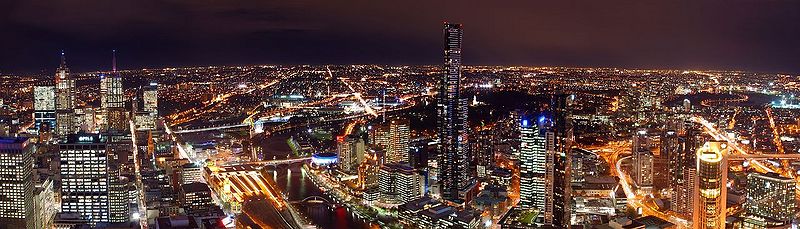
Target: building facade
{"x": 84, "y": 177}
{"x": 16, "y": 180}
{"x": 400, "y": 183}
{"x": 771, "y": 197}
{"x": 351, "y": 151}
{"x": 399, "y": 133}
{"x": 65, "y": 100}
{"x": 454, "y": 177}
{"x": 44, "y": 107}
{"x": 533, "y": 166}
{"x": 710, "y": 190}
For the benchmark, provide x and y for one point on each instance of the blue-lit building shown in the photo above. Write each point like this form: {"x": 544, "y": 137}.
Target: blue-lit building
{"x": 535, "y": 165}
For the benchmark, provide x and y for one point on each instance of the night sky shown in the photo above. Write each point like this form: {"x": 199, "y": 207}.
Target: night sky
{"x": 755, "y": 35}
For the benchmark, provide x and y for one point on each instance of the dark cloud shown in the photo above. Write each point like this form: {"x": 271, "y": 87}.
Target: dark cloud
{"x": 758, "y": 35}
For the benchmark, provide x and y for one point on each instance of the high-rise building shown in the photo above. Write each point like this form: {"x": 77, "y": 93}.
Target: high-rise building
{"x": 65, "y": 100}
{"x": 150, "y": 97}
{"x": 483, "y": 151}
{"x": 16, "y": 180}
{"x": 397, "y": 150}
{"x": 669, "y": 149}
{"x": 559, "y": 142}
{"x": 683, "y": 170}
{"x": 533, "y": 166}
{"x": 710, "y": 199}
{"x": 44, "y": 106}
{"x": 351, "y": 151}
{"x": 84, "y": 177}
{"x": 400, "y": 183}
{"x": 454, "y": 177}
{"x": 115, "y": 114}
{"x": 119, "y": 212}
{"x": 643, "y": 163}
{"x": 771, "y": 197}
{"x": 379, "y": 136}
{"x": 640, "y": 141}
{"x": 45, "y": 204}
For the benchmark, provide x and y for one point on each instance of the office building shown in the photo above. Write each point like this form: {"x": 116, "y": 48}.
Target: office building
{"x": 16, "y": 180}
{"x": 483, "y": 151}
{"x": 150, "y": 98}
{"x": 196, "y": 199}
{"x": 455, "y": 182}
{"x": 44, "y": 107}
{"x": 191, "y": 173}
{"x": 397, "y": 150}
{"x": 559, "y": 140}
{"x": 65, "y": 100}
{"x": 84, "y": 177}
{"x": 118, "y": 198}
{"x": 45, "y": 205}
{"x": 643, "y": 160}
{"x": 114, "y": 98}
{"x": 535, "y": 189}
{"x": 351, "y": 151}
{"x": 710, "y": 190}
{"x": 400, "y": 183}
{"x": 771, "y": 197}
{"x": 682, "y": 170}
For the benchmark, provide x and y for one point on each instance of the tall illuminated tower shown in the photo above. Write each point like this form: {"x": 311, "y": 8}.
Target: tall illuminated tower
{"x": 454, "y": 179}
{"x": 65, "y": 100}
{"x": 114, "y": 99}
{"x": 559, "y": 143}
{"x": 712, "y": 172}
{"x": 535, "y": 189}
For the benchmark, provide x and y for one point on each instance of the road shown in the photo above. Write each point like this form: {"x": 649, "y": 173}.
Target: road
{"x": 139, "y": 185}
{"x": 641, "y": 202}
{"x": 364, "y": 103}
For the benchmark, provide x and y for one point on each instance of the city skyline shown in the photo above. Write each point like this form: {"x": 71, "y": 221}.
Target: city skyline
{"x": 434, "y": 146}
{"x": 745, "y": 35}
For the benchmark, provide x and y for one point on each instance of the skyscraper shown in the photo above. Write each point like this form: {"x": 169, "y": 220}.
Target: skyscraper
{"x": 534, "y": 186}
{"x": 644, "y": 169}
{"x": 84, "y": 177}
{"x": 683, "y": 170}
{"x": 44, "y": 106}
{"x": 483, "y": 151}
{"x": 712, "y": 172}
{"x": 150, "y": 97}
{"x": 351, "y": 151}
{"x": 559, "y": 140}
{"x": 65, "y": 100}
{"x": 770, "y": 197}
{"x": 16, "y": 180}
{"x": 400, "y": 183}
{"x": 397, "y": 150}
{"x": 454, "y": 178}
{"x": 114, "y": 100}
